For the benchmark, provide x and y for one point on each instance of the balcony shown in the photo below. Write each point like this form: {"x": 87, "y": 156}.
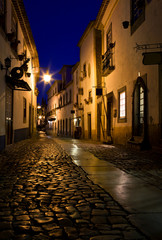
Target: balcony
{"x": 107, "y": 61}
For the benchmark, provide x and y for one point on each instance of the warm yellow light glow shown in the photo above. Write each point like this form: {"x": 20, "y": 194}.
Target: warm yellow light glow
{"x": 38, "y": 107}
{"x": 40, "y": 117}
{"x": 47, "y": 78}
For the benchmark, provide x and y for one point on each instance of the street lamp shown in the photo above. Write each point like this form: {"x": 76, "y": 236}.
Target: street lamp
{"x": 47, "y": 78}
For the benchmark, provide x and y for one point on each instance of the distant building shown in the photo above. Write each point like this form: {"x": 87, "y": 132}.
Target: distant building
{"x": 19, "y": 72}
{"x": 77, "y": 110}
{"x": 60, "y": 104}
{"x": 41, "y": 115}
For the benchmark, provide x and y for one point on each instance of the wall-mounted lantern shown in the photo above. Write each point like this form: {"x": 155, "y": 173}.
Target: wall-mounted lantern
{"x": 7, "y": 62}
{"x": 125, "y": 24}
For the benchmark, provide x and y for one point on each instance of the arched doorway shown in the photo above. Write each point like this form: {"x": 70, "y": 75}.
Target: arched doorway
{"x": 139, "y": 113}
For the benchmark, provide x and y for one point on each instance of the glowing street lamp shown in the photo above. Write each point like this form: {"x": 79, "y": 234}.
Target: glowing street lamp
{"x": 47, "y": 78}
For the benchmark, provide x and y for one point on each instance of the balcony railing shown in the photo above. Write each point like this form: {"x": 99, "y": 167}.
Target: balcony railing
{"x": 107, "y": 61}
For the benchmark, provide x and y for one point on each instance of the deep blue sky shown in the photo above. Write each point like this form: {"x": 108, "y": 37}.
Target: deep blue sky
{"x": 57, "y": 26}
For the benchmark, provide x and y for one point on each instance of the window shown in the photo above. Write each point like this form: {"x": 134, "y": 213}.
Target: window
{"x": 90, "y": 96}
{"x": 137, "y": 14}
{"x": 2, "y": 14}
{"x": 84, "y": 71}
{"x": 109, "y": 37}
{"x": 70, "y": 96}
{"x": 80, "y": 91}
{"x": 60, "y": 102}
{"x": 66, "y": 98}
{"x": 24, "y": 110}
{"x": 63, "y": 99}
{"x": 107, "y": 58}
{"x": 2, "y": 7}
{"x": 89, "y": 70}
{"x": 122, "y": 105}
{"x": 14, "y": 29}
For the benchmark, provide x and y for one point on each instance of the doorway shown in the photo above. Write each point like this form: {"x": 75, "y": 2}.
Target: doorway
{"x": 89, "y": 125}
{"x": 160, "y": 99}
{"x": 109, "y": 114}
{"x": 99, "y": 109}
{"x": 30, "y": 121}
{"x": 9, "y": 115}
{"x": 139, "y": 119}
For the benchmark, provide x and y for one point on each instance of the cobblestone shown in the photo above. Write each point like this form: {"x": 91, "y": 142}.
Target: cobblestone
{"x": 44, "y": 195}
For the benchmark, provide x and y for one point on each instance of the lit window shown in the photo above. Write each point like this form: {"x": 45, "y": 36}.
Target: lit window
{"x": 122, "y": 105}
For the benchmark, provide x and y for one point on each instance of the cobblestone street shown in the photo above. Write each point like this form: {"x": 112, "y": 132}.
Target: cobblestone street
{"x": 44, "y": 195}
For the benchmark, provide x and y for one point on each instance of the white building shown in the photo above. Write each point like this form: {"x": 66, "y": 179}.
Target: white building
{"x": 19, "y": 72}
{"x": 131, "y": 70}
{"x": 60, "y": 104}
{"x": 90, "y": 78}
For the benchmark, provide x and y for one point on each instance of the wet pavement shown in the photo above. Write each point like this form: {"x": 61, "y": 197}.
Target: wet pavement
{"x": 135, "y": 186}
{"x": 45, "y": 195}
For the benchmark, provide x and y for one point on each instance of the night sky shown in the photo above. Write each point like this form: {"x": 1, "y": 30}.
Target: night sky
{"x": 57, "y": 26}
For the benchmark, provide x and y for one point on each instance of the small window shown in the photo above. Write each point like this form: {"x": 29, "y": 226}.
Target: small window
{"x": 89, "y": 70}
{"x": 80, "y": 91}
{"x": 76, "y": 98}
{"x": 24, "y": 110}
{"x": 2, "y": 8}
{"x": 109, "y": 37}
{"x": 70, "y": 96}
{"x": 63, "y": 99}
{"x": 14, "y": 30}
{"x": 66, "y": 97}
{"x": 84, "y": 71}
{"x": 2, "y": 14}
{"x": 122, "y": 105}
